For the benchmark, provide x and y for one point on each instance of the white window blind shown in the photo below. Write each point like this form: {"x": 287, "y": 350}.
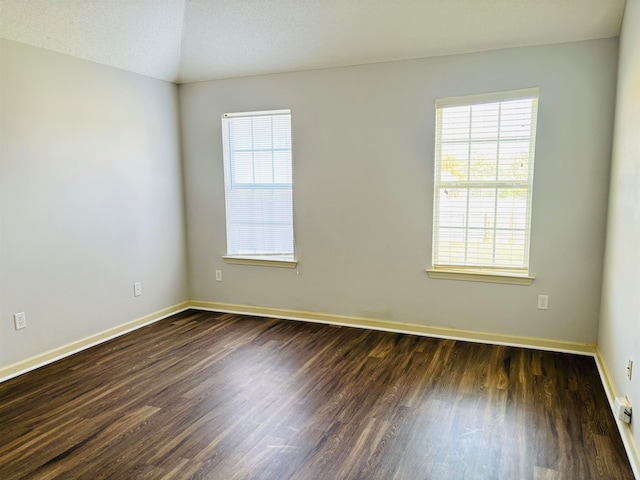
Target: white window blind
{"x": 258, "y": 184}
{"x": 483, "y": 181}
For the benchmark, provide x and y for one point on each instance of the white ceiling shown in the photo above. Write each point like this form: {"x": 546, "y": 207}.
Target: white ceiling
{"x": 191, "y": 40}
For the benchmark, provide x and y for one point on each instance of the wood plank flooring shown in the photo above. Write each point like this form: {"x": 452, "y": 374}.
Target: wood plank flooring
{"x": 205, "y": 395}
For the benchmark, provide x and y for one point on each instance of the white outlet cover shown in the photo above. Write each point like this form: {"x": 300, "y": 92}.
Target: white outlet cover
{"x": 622, "y": 409}
{"x": 20, "y": 321}
{"x": 543, "y": 302}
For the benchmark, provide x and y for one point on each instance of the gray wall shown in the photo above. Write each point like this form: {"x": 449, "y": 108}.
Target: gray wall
{"x": 363, "y": 142}
{"x": 619, "y": 336}
{"x": 90, "y": 199}
{"x": 91, "y": 194}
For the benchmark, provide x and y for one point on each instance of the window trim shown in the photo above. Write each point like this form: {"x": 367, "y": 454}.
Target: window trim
{"x": 454, "y": 272}
{"x": 282, "y": 261}
{"x": 505, "y": 96}
{"x": 482, "y": 273}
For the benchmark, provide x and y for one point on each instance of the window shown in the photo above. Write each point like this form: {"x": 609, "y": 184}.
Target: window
{"x": 258, "y": 187}
{"x": 483, "y": 185}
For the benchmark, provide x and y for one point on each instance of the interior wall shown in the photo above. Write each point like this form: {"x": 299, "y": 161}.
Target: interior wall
{"x": 619, "y": 335}
{"x": 91, "y": 199}
{"x": 363, "y": 143}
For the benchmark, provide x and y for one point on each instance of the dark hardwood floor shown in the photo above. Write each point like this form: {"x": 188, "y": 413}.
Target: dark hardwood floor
{"x": 220, "y": 396}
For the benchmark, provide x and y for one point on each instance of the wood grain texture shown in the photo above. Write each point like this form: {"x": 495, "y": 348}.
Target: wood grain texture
{"x": 205, "y": 395}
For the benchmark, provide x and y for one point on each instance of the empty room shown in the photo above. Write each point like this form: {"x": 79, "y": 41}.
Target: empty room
{"x": 319, "y": 239}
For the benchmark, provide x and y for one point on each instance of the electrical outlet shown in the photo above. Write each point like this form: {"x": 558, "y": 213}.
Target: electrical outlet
{"x": 137, "y": 289}
{"x": 543, "y": 302}
{"x": 20, "y": 321}
{"x": 629, "y": 368}
{"x": 622, "y": 409}
{"x": 219, "y": 275}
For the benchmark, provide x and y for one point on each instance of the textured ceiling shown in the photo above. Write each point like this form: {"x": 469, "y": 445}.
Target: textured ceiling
{"x": 186, "y": 41}
{"x": 142, "y": 36}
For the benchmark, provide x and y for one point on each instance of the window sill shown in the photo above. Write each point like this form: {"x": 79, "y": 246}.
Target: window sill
{"x": 480, "y": 276}
{"x": 266, "y": 261}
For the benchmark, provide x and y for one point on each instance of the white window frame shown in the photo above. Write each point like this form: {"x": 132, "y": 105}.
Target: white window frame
{"x": 284, "y": 259}
{"x": 467, "y": 270}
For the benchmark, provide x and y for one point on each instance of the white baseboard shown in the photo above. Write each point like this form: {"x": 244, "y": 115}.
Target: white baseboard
{"x": 399, "y": 327}
{"x": 58, "y": 353}
{"x": 24, "y": 366}
{"x": 625, "y": 431}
